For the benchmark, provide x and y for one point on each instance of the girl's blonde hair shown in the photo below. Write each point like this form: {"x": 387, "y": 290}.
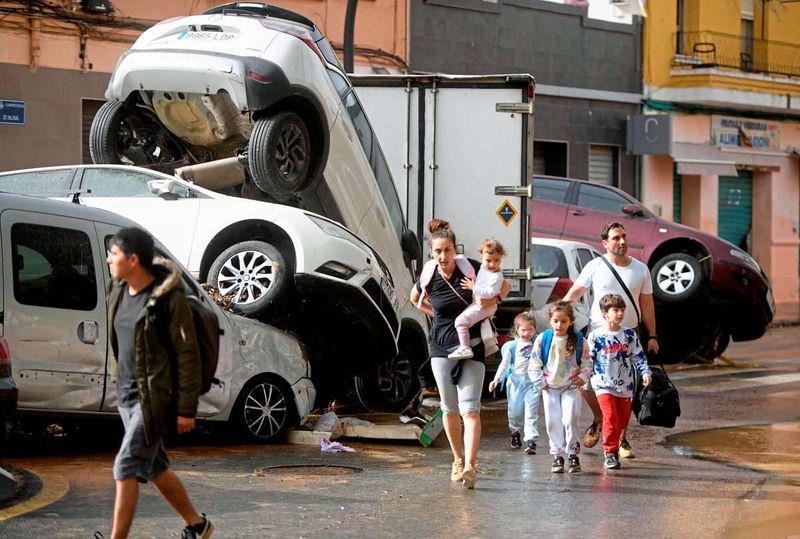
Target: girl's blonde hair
{"x": 572, "y": 337}
{"x": 492, "y": 246}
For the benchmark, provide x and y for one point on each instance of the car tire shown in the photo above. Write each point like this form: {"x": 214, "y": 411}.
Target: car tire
{"x": 390, "y": 385}
{"x": 279, "y": 154}
{"x": 254, "y": 275}
{"x": 264, "y": 410}
{"x": 123, "y": 135}
{"x": 104, "y": 131}
{"x": 678, "y": 277}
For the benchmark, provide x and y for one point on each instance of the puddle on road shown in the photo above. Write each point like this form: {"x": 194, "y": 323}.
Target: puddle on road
{"x": 773, "y": 508}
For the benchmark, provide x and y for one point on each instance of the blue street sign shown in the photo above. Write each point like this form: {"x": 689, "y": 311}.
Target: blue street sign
{"x": 12, "y": 112}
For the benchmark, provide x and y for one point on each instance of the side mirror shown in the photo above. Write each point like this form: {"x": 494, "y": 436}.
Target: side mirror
{"x": 162, "y": 188}
{"x": 410, "y": 245}
{"x": 633, "y": 210}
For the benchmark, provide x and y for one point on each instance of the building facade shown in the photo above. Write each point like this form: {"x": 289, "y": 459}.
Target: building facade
{"x": 721, "y": 79}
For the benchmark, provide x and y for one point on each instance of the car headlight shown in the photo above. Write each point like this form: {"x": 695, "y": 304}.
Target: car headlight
{"x": 337, "y": 269}
{"x": 747, "y": 259}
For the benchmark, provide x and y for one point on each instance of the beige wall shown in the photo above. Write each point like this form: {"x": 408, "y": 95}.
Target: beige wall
{"x": 381, "y": 25}
{"x": 657, "y": 191}
{"x": 699, "y": 202}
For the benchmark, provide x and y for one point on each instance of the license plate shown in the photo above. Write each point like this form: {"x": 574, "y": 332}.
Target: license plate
{"x": 388, "y": 289}
{"x": 771, "y": 301}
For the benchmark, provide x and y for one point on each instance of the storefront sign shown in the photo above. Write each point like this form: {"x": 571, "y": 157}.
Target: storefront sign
{"x": 731, "y": 132}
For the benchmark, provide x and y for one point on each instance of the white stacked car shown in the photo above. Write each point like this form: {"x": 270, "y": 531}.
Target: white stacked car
{"x": 250, "y": 99}
{"x": 293, "y": 268}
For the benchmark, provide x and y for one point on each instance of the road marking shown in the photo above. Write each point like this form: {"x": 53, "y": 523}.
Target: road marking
{"x": 54, "y": 487}
{"x": 745, "y": 383}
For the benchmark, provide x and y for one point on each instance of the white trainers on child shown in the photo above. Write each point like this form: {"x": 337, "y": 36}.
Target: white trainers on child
{"x": 462, "y": 352}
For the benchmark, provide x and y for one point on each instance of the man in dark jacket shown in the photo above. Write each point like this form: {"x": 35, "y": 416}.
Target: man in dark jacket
{"x": 157, "y": 383}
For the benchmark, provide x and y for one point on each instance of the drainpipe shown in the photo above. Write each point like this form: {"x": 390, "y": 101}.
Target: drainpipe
{"x": 36, "y": 49}
{"x": 349, "y": 24}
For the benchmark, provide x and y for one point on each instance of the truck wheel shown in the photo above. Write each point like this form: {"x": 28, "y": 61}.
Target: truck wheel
{"x": 279, "y": 154}
{"x": 253, "y": 274}
{"x": 677, "y": 277}
{"x": 264, "y": 410}
{"x": 122, "y": 134}
{"x": 389, "y": 386}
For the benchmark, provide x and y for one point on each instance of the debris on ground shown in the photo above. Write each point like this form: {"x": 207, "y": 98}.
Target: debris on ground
{"x": 326, "y": 446}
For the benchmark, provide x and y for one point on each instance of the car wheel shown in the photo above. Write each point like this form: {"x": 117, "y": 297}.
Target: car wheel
{"x": 264, "y": 410}
{"x": 253, "y": 274}
{"x": 279, "y": 154}
{"x": 123, "y": 134}
{"x": 677, "y": 277}
{"x": 390, "y": 385}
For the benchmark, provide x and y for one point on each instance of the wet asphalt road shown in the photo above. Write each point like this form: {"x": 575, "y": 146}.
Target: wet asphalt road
{"x": 693, "y": 479}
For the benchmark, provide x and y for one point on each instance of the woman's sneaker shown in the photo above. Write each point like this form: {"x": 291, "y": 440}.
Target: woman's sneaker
{"x": 462, "y": 352}
{"x": 530, "y": 447}
{"x": 516, "y": 439}
{"x": 574, "y": 464}
{"x": 611, "y": 462}
{"x": 558, "y": 464}
{"x": 469, "y": 476}
{"x": 456, "y": 470}
{"x": 625, "y": 450}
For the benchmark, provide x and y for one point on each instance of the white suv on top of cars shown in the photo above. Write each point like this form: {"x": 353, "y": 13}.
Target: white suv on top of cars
{"x": 255, "y": 94}
{"x": 296, "y": 269}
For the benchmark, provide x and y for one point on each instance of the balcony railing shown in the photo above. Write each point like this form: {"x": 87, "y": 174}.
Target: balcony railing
{"x": 717, "y": 49}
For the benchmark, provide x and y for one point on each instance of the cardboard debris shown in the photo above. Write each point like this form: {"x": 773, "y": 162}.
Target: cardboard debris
{"x": 424, "y": 428}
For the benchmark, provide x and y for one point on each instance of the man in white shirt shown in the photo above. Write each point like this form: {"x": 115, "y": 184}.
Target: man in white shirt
{"x": 598, "y": 275}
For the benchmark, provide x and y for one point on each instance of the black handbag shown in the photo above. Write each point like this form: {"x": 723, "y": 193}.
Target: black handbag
{"x": 657, "y": 404}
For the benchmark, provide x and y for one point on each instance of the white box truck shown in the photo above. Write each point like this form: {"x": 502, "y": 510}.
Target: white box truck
{"x": 449, "y": 141}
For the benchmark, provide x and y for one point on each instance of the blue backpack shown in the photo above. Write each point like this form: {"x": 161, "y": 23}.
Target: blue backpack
{"x": 547, "y": 340}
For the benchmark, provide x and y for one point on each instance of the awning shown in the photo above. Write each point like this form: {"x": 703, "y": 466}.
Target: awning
{"x": 702, "y": 159}
{"x": 757, "y": 159}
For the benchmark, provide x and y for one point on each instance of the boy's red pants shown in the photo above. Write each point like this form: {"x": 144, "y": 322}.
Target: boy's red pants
{"x": 616, "y": 412}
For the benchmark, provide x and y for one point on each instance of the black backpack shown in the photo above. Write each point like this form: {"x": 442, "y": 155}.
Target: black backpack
{"x": 657, "y": 404}
{"x": 206, "y": 327}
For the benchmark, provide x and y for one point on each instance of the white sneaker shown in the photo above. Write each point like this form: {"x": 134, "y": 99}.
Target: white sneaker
{"x": 462, "y": 352}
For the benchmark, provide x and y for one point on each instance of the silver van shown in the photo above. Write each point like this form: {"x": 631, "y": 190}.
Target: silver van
{"x": 53, "y": 315}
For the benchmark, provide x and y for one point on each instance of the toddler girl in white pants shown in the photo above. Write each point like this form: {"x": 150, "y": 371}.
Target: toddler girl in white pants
{"x": 486, "y": 285}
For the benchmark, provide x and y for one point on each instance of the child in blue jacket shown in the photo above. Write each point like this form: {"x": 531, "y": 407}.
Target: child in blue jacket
{"x": 522, "y": 394}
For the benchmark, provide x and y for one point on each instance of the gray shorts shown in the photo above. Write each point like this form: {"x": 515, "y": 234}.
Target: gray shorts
{"x": 464, "y": 397}
{"x": 136, "y": 458}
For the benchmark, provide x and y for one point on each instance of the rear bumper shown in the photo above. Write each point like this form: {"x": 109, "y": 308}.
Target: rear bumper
{"x": 200, "y": 73}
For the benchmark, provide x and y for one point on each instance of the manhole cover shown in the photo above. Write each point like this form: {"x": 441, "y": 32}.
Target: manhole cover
{"x": 312, "y": 469}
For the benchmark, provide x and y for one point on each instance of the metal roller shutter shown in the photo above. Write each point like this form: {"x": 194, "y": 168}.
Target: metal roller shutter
{"x": 601, "y": 164}
{"x": 736, "y": 207}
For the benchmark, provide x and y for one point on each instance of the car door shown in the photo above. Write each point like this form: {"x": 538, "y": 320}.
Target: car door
{"x": 54, "y": 310}
{"x": 582, "y": 257}
{"x": 595, "y": 205}
{"x": 172, "y": 219}
{"x": 549, "y": 207}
